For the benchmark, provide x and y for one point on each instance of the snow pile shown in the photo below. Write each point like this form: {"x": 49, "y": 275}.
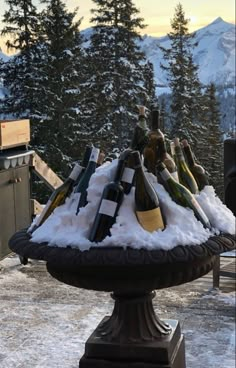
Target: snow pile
{"x": 64, "y": 228}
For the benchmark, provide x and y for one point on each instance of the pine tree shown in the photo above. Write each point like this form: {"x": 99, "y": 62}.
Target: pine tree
{"x": 22, "y": 27}
{"x": 117, "y": 71}
{"x": 56, "y": 119}
{"x": 213, "y": 161}
{"x": 182, "y": 74}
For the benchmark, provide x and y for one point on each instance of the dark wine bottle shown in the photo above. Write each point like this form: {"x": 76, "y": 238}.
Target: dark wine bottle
{"x": 163, "y": 156}
{"x": 181, "y": 195}
{"x": 84, "y": 163}
{"x": 147, "y": 206}
{"x": 58, "y": 197}
{"x": 127, "y": 180}
{"x": 154, "y": 136}
{"x": 140, "y": 135}
{"x": 84, "y": 181}
{"x": 185, "y": 176}
{"x": 197, "y": 170}
{"x": 109, "y": 205}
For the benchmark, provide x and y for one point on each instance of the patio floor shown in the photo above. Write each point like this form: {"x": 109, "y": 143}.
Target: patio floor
{"x": 45, "y": 323}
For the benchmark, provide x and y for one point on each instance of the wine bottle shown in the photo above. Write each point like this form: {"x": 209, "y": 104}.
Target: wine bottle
{"x": 185, "y": 176}
{"x": 147, "y": 207}
{"x": 109, "y": 205}
{"x": 84, "y": 181}
{"x": 163, "y": 156}
{"x": 127, "y": 180}
{"x": 181, "y": 195}
{"x": 58, "y": 197}
{"x": 197, "y": 170}
{"x": 140, "y": 135}
{"x": 84, "y": 163}
{"x": 151, "y": 150}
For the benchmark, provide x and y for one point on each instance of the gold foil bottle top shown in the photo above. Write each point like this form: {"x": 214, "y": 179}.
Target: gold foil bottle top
{"x": 142, "y": 110}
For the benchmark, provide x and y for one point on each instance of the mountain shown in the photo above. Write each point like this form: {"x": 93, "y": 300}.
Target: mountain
{"x": 214, "y": 54}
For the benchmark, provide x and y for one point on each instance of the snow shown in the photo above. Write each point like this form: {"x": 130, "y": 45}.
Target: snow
{"x": 64, "y": 228}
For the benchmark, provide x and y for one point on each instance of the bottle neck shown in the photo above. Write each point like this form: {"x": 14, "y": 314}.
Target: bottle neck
{"x": 189, "y": 155}
{"x": 179, "y": 154}
{"x": 162, "y": 151}
{"x": 86, "y": 157}
{"x": 119, "y": 171}
{"x": 75, "y": 173}
{"x": 165, "y": 175}
{"x": 142, "y": 122}
{"x": 94, "y": 156}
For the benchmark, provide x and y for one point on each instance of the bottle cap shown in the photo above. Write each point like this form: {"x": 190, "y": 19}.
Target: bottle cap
{"x": 185, "y": 143}
{"x": 142, "y": 110}
{"x": 176, "y": 141}
{"x": 136, "y": 159}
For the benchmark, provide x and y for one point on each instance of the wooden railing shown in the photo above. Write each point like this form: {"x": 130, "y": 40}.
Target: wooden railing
{"x": 47, "y": 175}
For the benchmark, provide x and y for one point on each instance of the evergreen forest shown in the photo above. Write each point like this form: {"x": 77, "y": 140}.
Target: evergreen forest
{"x": 78, "y": 91}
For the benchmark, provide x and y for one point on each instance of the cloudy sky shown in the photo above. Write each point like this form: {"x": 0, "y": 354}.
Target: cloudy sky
{"x": 157, "y": 14}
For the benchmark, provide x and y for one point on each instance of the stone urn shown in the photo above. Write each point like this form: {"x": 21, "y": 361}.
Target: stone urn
{"x": 133, "y": 336}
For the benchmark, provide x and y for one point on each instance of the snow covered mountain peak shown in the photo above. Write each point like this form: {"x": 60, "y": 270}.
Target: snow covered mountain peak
{"x": 214, "y": 54}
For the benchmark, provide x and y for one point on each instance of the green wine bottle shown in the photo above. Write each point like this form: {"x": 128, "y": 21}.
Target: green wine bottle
{"x": 58, "y": 197}
{"x": 109, "y": 205}
{"x": 140, "y": 135}
{"x": 185, "y": 176}
{"x": 150, "y": 152}
{"x": 127, "y": 180}
{"x": 84, "y": 181}
{"x": 181, "y": 195}
{"x": 197, "y": 170}
{"x": 163, "y": 156}
{"x": 84, "y": 163}
{"x": 147, "y": 206}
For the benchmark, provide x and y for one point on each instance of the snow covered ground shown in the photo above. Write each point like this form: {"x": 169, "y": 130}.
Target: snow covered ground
{"x": 45, "y": 323}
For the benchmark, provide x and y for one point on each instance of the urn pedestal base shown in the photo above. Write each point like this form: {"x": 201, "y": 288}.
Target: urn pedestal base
{"x": 165, "y": 352}
{"x": 133, "y": 336}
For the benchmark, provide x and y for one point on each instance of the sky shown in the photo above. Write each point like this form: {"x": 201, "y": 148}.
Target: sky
{"x": 157, "y": 14}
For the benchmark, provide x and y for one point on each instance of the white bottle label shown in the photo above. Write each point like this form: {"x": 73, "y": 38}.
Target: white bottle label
{"x": 165, "y": 174}
{"x": 94, "y": 154}
{"x": 108, "y": 207}
{"x": 128, "y": 175}
{"x": 175, "y": 175}
{"x": 75, "y": 172}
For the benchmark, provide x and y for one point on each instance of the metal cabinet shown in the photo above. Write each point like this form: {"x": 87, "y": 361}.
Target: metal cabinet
{"x": 15, "y": 211}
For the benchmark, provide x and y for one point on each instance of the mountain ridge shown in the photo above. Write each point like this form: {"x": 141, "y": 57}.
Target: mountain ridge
{"x": 214, "y": 54}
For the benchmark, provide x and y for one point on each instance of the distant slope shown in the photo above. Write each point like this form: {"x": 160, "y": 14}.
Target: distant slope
{"x": 215, "y": 53}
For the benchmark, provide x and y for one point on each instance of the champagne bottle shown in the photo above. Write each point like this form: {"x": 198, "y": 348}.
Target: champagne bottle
{"x": 147, "y": 207}
{"x": 140, "y": 135}
{"x": 151, "y": 150}
{"x": 197, "y": 170}
{"x": 58, "y": 197}
{"x": 84, "y": 163}
{"x": 84, "y": 181}
{"x": 181, "y": 195}
{"x": 163, "y": 156}
{"x": 185, "y": 176}
{"x": 109, "y": 205}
